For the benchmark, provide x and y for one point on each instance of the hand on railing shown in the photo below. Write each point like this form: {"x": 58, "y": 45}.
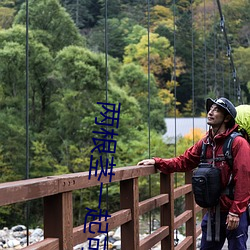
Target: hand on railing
{"x": 146, "y": 162}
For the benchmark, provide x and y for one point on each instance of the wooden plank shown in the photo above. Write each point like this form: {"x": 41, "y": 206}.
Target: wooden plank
{"x": 58, "y": 219}
{"x": 182, "y": 218}
{"x": 185, "y": 189}
{"x": 198, "y": 231}
{"x": 152, "y": 203}
{"x": 185, "y": 244}
{"x": 190, "y": 205}
{"x": 167, "y": 210}
{"x": 24, "y": 190}
{"x": 198, "y": 209}
{"x": 46, "y": 244}
{"x": 81, "y": 180}
{"x": 129, "y": 197}
{"x": 116, "y": 219}
{"x": 154, "y": 238}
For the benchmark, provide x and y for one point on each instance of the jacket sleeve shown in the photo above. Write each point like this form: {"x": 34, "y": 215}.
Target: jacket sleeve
{"x": 183, "y": 163}
{"x": 241, "y": 175}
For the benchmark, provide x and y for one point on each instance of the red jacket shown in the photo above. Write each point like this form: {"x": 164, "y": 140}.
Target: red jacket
{"x": 241, "y": 167}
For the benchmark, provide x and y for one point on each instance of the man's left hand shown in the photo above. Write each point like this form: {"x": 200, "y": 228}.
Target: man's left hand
{"x": 232, "y": 222}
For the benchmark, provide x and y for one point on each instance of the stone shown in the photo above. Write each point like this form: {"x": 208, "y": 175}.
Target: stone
{"x": 18, "y": 228}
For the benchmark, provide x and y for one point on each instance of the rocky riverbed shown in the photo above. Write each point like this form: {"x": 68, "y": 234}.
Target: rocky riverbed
{"x": 16, "y": 238}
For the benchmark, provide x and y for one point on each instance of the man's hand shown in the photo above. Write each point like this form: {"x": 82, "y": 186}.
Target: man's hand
{"x": 232, "y": 221}
{"x": 146, "y": 162}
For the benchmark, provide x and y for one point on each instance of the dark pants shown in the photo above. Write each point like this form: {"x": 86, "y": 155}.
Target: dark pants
{"x": 237, "y": 238}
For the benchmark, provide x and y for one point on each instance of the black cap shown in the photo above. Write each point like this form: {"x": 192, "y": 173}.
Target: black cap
{"x": 223, "y": 103}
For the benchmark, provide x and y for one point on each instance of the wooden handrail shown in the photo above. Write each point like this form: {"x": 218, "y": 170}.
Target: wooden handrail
{"x": 58, "y": 208}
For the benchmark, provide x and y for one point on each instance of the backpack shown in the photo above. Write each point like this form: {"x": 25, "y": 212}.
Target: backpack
{"x": 206, "y": 179}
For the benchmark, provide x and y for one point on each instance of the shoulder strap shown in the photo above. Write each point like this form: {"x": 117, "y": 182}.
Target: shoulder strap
{"x": 227, "y": 148}
{"x": 203, "y": 152}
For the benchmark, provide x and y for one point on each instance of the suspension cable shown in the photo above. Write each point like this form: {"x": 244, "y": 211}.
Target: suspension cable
{"x": 192, "y": 76}
{"x": 175, "y": 95}
{"x": 27, "y": 207}
{"x": 106, "y": 93}
{"x": 174, "y": 74}
{"x": 205, "y": 50}
{"x": 149, "y": 121}
{"x": 229, "y": 53}
{"x": 215, "y": 51}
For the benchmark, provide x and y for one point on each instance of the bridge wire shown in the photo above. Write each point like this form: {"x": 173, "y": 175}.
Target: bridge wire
{"x": 205, "y": 48}
{"x": 192, "y": 76}
{"x": 174, "y": 77}
{"x": 236, "y": 82}
{"x": 149, "y": 121}
{"x": 175, "y": 95}
{"x": 106, "y": 97}
{"x": 27, "y": 206}
{"x": 222, "y": 68}
{"x": 215, "y": 51}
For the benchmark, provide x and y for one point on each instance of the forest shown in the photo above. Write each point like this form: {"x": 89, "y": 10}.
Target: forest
{"x": 157, "y": 58}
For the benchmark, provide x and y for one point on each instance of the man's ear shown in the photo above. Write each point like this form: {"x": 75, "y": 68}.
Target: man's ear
{"x": 228, "y": 118}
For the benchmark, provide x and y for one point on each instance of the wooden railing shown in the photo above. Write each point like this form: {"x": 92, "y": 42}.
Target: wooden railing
{"x": 56, "y": 192}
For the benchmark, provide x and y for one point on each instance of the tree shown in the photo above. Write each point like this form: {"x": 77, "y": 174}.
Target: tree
{"x": 53, "y": 25}
{"x": 161, "y": 16}
{"x": 136, "y": 82}
{"x": 6, "y": 17}
{"x": 242, "y": 64}
{"x": 84, "y": 13}
{"x": 161, "y": 57}
{"x": 40, "y": 60}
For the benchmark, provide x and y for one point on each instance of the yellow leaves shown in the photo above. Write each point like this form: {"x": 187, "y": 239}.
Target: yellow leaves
{"x": 195, "y": 134}
{"x": 159, "y": 53}
{"x": 161, "y": 16}
{"x": 188, "y": 107}
{"x": 166, "y": 96}
{"x": 171, "y": 85}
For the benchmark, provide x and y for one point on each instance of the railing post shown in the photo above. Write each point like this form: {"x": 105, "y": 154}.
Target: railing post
{"x": 58, "y": 219}
{"x": 129, "y": 197}
{"x": 167, "y": 210}
{"x": 190, "y": 205}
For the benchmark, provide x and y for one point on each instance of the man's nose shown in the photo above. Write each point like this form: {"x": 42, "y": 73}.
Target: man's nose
{"x": 211, "y": 110}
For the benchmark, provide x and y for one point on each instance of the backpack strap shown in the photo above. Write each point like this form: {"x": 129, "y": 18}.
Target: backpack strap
{"x": 227, "y": 148}
{"x": 203, "y": 152}
{"x": 227, "y": 151}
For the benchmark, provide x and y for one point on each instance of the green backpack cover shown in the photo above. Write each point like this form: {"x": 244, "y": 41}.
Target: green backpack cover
{"x": 243, "y": 119}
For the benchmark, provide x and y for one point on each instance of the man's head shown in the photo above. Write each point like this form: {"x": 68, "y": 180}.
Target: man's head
{"x": 226, "y": 107}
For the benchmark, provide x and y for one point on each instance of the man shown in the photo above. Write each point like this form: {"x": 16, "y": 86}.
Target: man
{"x": 221, "y": 115}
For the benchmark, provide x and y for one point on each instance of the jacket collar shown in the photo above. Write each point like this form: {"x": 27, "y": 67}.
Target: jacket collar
{"x": 221, "y": 136}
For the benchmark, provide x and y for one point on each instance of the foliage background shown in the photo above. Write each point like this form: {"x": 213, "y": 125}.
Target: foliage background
{"x": 80, "y": 53}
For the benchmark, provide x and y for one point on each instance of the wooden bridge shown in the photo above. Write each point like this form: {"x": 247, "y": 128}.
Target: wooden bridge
{"x": 56, "y": 192}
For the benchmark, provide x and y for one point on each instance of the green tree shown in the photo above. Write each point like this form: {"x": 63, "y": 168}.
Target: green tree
{"x": 84, "y": 13}
{"x": 6, "y": 17}
{"x": 161, "y": 57}
{"x": 242, "y": 64}
{"x": 53, "y": 25}
{"x": 136, "y": 82}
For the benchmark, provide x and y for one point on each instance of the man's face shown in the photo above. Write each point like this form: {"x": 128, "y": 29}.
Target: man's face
{"x": 215, "y": 116}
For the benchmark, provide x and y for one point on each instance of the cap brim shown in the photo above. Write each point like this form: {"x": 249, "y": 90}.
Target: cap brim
{"x": 209, "y": 103}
